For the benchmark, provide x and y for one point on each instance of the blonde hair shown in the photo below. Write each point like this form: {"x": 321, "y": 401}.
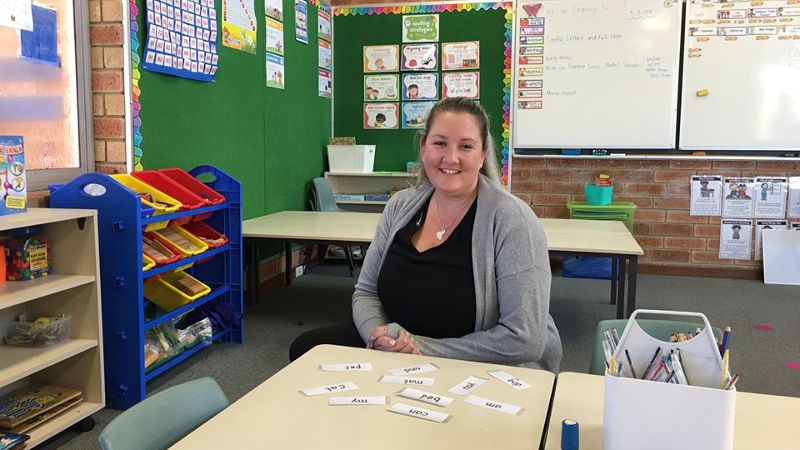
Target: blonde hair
{"x": 462, "y": 105}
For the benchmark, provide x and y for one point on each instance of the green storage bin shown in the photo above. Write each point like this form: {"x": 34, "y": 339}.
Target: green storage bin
{"x": 622, "y": 211}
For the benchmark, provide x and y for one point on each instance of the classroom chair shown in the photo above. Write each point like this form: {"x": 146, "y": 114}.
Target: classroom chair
{"x": 324, "y": 201}
{"x": 163, "y": 419}
{"x": 659, "y": 329}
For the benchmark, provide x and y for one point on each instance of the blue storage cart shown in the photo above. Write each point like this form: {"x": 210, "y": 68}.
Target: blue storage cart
{"x": 121, "y": 220}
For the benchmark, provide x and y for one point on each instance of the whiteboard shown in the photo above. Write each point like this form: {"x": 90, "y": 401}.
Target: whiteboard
{"x": 596, "y": 73}
{"x": 746, "y": 59}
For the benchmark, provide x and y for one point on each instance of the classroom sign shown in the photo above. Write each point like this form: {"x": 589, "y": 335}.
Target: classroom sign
{"x": 238, "y": 25}
{"x": 324, "y": 25}
{"x": 416, "y": 113}
{"x": 762, "y": 225}
{"x": 420, "y": 86}
{"x": 461, "y": 55}
{"x": 421, "y": 28}
{"x": 706, "y": 199}
{"x": 325, "y": 83}
{"x": 770, "y": 197}
{"x": 274, "y": 36}
{"x": 734, "y": 239}
{"x": 381, "y": 88}
{"x": 380, "y": 116}
{"x": 324, "y": 55}
{"x": 381, "y": 58}
{"x": 275, "y": 72}
{"x": 274, "y": 9}
{"x": 461, "y": 84}
{"x": 301, "y": 21}
{"x": 419, "y": 57}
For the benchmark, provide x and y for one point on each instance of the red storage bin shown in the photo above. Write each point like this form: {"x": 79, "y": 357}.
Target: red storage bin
{"x": 167, "y": 185}
{"x": 169, "y": 254}
{"x": 182, "y": 177}
{"x": 207, "y": 234}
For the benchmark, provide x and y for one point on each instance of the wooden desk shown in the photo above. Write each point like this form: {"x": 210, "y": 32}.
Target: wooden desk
{"x": 762, "y": 421}
{"x": 276, "y": 415}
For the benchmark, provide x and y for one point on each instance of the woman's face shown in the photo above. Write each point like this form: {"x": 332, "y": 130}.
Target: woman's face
{"x": 452, "y": 154}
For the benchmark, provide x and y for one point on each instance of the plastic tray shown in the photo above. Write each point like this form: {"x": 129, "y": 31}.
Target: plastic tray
{"x": 185, "y": 179}
{"x": 147, "y": 262}
{"x": 34, "y": 334}
{"x": 176, "y": 253}
{"x": 207, "y": 234}
{"x": 159, "y": 201}
{"x": 162, "y": 291}
{"x": 171, "y": 234}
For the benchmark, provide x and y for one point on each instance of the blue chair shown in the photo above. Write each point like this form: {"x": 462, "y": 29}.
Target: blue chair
{"x": 324, "y": 201}
{"x": 163, "y": 419}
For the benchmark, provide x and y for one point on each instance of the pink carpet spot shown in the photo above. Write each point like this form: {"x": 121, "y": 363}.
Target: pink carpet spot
{"x": 792, "y": 365}
{"x": 763, "y": 327}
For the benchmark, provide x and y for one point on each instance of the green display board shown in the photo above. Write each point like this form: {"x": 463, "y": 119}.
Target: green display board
{"x": 272, "y": 140}
{"x": 396, "y": 147}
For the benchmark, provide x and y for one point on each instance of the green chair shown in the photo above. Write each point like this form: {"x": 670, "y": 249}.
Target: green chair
{"x": 163, "y": 419}
{"x": 659, "y": 329}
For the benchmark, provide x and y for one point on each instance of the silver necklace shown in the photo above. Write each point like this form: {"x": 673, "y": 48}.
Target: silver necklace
{"x": 443, "y": 228}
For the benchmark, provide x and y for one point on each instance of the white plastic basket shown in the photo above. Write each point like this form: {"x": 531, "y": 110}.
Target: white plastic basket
{"x": 351, "y": 158}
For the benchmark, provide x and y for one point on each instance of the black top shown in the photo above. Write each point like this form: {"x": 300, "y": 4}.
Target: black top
{"x": 431, "y": 293}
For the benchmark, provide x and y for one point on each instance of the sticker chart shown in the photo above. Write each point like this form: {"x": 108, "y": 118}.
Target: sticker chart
{"x": 182, "y": 38}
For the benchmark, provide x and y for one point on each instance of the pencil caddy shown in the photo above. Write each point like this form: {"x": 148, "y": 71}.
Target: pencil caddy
{"x": 641, "y": 414}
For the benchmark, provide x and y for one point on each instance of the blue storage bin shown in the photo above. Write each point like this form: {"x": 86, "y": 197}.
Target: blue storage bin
{"x": 586, "y": 267}
{"x": 598, "y": 195}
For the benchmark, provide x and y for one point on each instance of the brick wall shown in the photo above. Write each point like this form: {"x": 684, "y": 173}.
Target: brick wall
{"x": 672, "y": 240}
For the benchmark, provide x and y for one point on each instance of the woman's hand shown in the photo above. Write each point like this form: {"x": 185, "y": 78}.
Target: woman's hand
{"x": 381, "y": 340}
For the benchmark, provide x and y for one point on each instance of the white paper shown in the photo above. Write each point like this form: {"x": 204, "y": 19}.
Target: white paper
{"x": 467, "y": 386}
{"x": 357, "y": 401}
{"x": 419, "y": 413}
{"x": 419, "y": 368}
{"x": 781, "y": 257}
{"x": 762, "y": 225}
{"x": 734, "y": 238}
{"x": 16, "y": 14}
{"x": 794, "y": 197}
{"x": 338, "y": 387}
{"x": 738, "y": 200}
{"x": 510, "y": 380}
{"x": 415, "y": 381}
{"x": 770, "y": 197}
{"x": 348, "y": 367}
{"x": 706, "y": 195}
{"x": 493, "y": 405}
{"x": 427, "y": 397}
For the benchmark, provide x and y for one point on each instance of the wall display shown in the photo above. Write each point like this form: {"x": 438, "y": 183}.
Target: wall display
{"x": 734, "y": 239}
{"x": 41, "y": 44}
{"x": 182, "y": 39}
{"x": 381, "y": 58}
{"x": 420, "y": 57}
{"x": 706, "y": 197}
{"x": 275, "y": 71}
{"x": 460, "y": 55}
{"x": 274, "y": 9}
{"x": 324, "y": 25}
{"x": 794, "y": 198}
{"x": 238, "y": 25}
{"x": 738, "y": 201}
{"x": 274, "y": 36}
{"x": 770, "y": 197}
{"x": 301, "y": 21}
{"x": 416, "y": 113}
{"x": 381, "y": 88}
{"x": 461, "y": 84}
{"x": 16, "y": 14}
{"x": 762, "y": 225}
{"x": 325, "y": 85}
{"x": 420, "y": 86}
{"x": 380, "y": 116}
{"x": 324, "y": 54}
{"x": 421, "y": 28}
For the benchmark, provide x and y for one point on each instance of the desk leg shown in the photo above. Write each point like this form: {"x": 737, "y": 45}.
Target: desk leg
{"x": 620, "y": 287}
{"x": 287, "y": 260}
{"x": 251, "y": 256}
{"x": 631, "y": 300}
{"x": 614, "y": 269}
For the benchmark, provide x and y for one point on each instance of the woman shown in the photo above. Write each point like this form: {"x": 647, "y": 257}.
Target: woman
{"x": 458, "y": 267}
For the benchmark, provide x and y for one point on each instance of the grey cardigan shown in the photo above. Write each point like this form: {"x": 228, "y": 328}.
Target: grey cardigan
{"x": 511, "y": 270}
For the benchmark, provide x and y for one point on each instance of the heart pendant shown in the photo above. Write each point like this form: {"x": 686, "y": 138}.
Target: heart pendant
{"x": 440, "y": 234}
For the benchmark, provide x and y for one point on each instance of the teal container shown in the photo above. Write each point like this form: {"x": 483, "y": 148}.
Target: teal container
{"x": 598, "y": 195}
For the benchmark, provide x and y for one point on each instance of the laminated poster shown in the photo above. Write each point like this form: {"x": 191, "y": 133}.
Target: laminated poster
{"x": 301, "y": 21}
{"x": 238, "y": 24}
{"x": 421, "y": 28}
{"x": 324, "y": 25}
{"x": 460, "y": 55}
{"x": 794, "y": 197}
{"x": 461, "y": 84}
{"x": 380, "y": 116}
{"x": 16, "y": 14}
{"x": 419, "y": 57}
{"x": 734, "y": 238}
{"x": 274, "y": 36}
{"x": 420, "y": 86}
{"x": 325, "y": 83}
{"x": 381, "y": 58}
{"x": 275, "y": 72}
{"x": 762, "y": 225}
{"x": 738, "y": 200}
{"x": 770, "y": 197}
{"x": 706, "y": 195}
{"x": 324, "y": 55}
{"x": 381, "y": 88}
{"x": 274, "y": 9}
{"x": 416, "y": 113}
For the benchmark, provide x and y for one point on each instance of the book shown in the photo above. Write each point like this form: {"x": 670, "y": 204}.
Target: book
{"x": 47, "y": 415}
{"x": 12, "y": 440}
{"x": 29, "y": 402}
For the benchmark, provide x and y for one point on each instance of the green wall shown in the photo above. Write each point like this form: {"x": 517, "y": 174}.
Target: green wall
{"x": 395, "y": 147}
{"x": 272, "y": 140}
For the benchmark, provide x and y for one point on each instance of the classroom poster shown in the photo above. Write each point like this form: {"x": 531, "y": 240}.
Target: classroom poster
{"x": 324, "y": 25}
{"x": 738, "y": 201}
{"x": 381, "y": 58}
{"x": 275, "y": 71}
{"x": 794, "y": 198}
{"x": 734, "y": 238}
{"x": 461, "y": 84}
{"x": 16, "y": 14}
{"x": 274, "y": 9}
{"x": 325, "y": 83}
{"x": 420, "y": 86}
{"x": 706, "y": 199}
{"x": 419, "y": 57}
{"x": 415, "y": 114}
{"x": 238, "y": 25}
{"x": 301, "y": 21}
{"x": 381, "y": 88}
{"x": 274, "y": 36}
{"x": 460, "y": 55}
{"x": 770, "y": 197}
{"x": 762, "y": 225}
{"x": 380, "y": 116}
{"x": 421, "y": 28}
{"x": 324, "y": 54}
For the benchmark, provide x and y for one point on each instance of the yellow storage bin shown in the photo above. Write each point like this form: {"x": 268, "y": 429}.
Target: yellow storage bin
{"x": 185, "y": 242}
{"x": 174, "y": 290}
{"x": 159, "y": 201}
{"x": 147, "y": 263}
